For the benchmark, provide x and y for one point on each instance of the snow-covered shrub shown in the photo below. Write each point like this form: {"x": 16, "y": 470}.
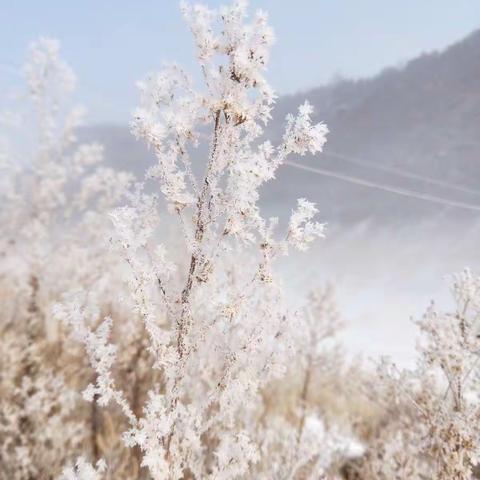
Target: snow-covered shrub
{"x": 428, "y": 429}
{"x": 297, "y": 434}
{"x": 217, "y": 325}
{"x": 54, "y": 195}
{"x": 57, "y": 190}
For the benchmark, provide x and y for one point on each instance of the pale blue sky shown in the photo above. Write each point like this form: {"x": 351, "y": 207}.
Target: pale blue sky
{"x": 112, "y": 43}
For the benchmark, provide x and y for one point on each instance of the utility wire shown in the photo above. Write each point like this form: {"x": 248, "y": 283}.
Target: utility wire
{"x": 401, "y": 173}
{"x": 386, "y": 188}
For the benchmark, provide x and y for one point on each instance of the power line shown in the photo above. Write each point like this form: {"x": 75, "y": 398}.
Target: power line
{"x": 399, "y": 191}
{"x": 402, "y": 173}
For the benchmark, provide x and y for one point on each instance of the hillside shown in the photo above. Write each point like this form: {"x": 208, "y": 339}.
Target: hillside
{"x": 419, "y": 120}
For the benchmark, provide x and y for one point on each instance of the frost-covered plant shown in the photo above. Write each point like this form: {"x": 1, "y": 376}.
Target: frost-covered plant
{"x": 296, "y": 437}
{"x": 432, "y": 412}
{"x": 217, "y": 326}
{"x": 37, "y": 424}
{"x": 52, "y": 194}
{"x": 57, "y": 188}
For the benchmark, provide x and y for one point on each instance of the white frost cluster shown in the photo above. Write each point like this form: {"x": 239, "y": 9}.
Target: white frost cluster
{"x": 301, "y": 136}
{"x": 302, "y": 231}
{"x": 84, "y": 471}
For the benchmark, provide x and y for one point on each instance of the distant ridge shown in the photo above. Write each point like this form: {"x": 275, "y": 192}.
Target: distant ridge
{"x": 422, "y": 119}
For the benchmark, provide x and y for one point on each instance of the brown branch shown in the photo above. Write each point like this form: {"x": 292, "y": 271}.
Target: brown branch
{"x": 199, "y": 234}
{"x": 184, "y": 320}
